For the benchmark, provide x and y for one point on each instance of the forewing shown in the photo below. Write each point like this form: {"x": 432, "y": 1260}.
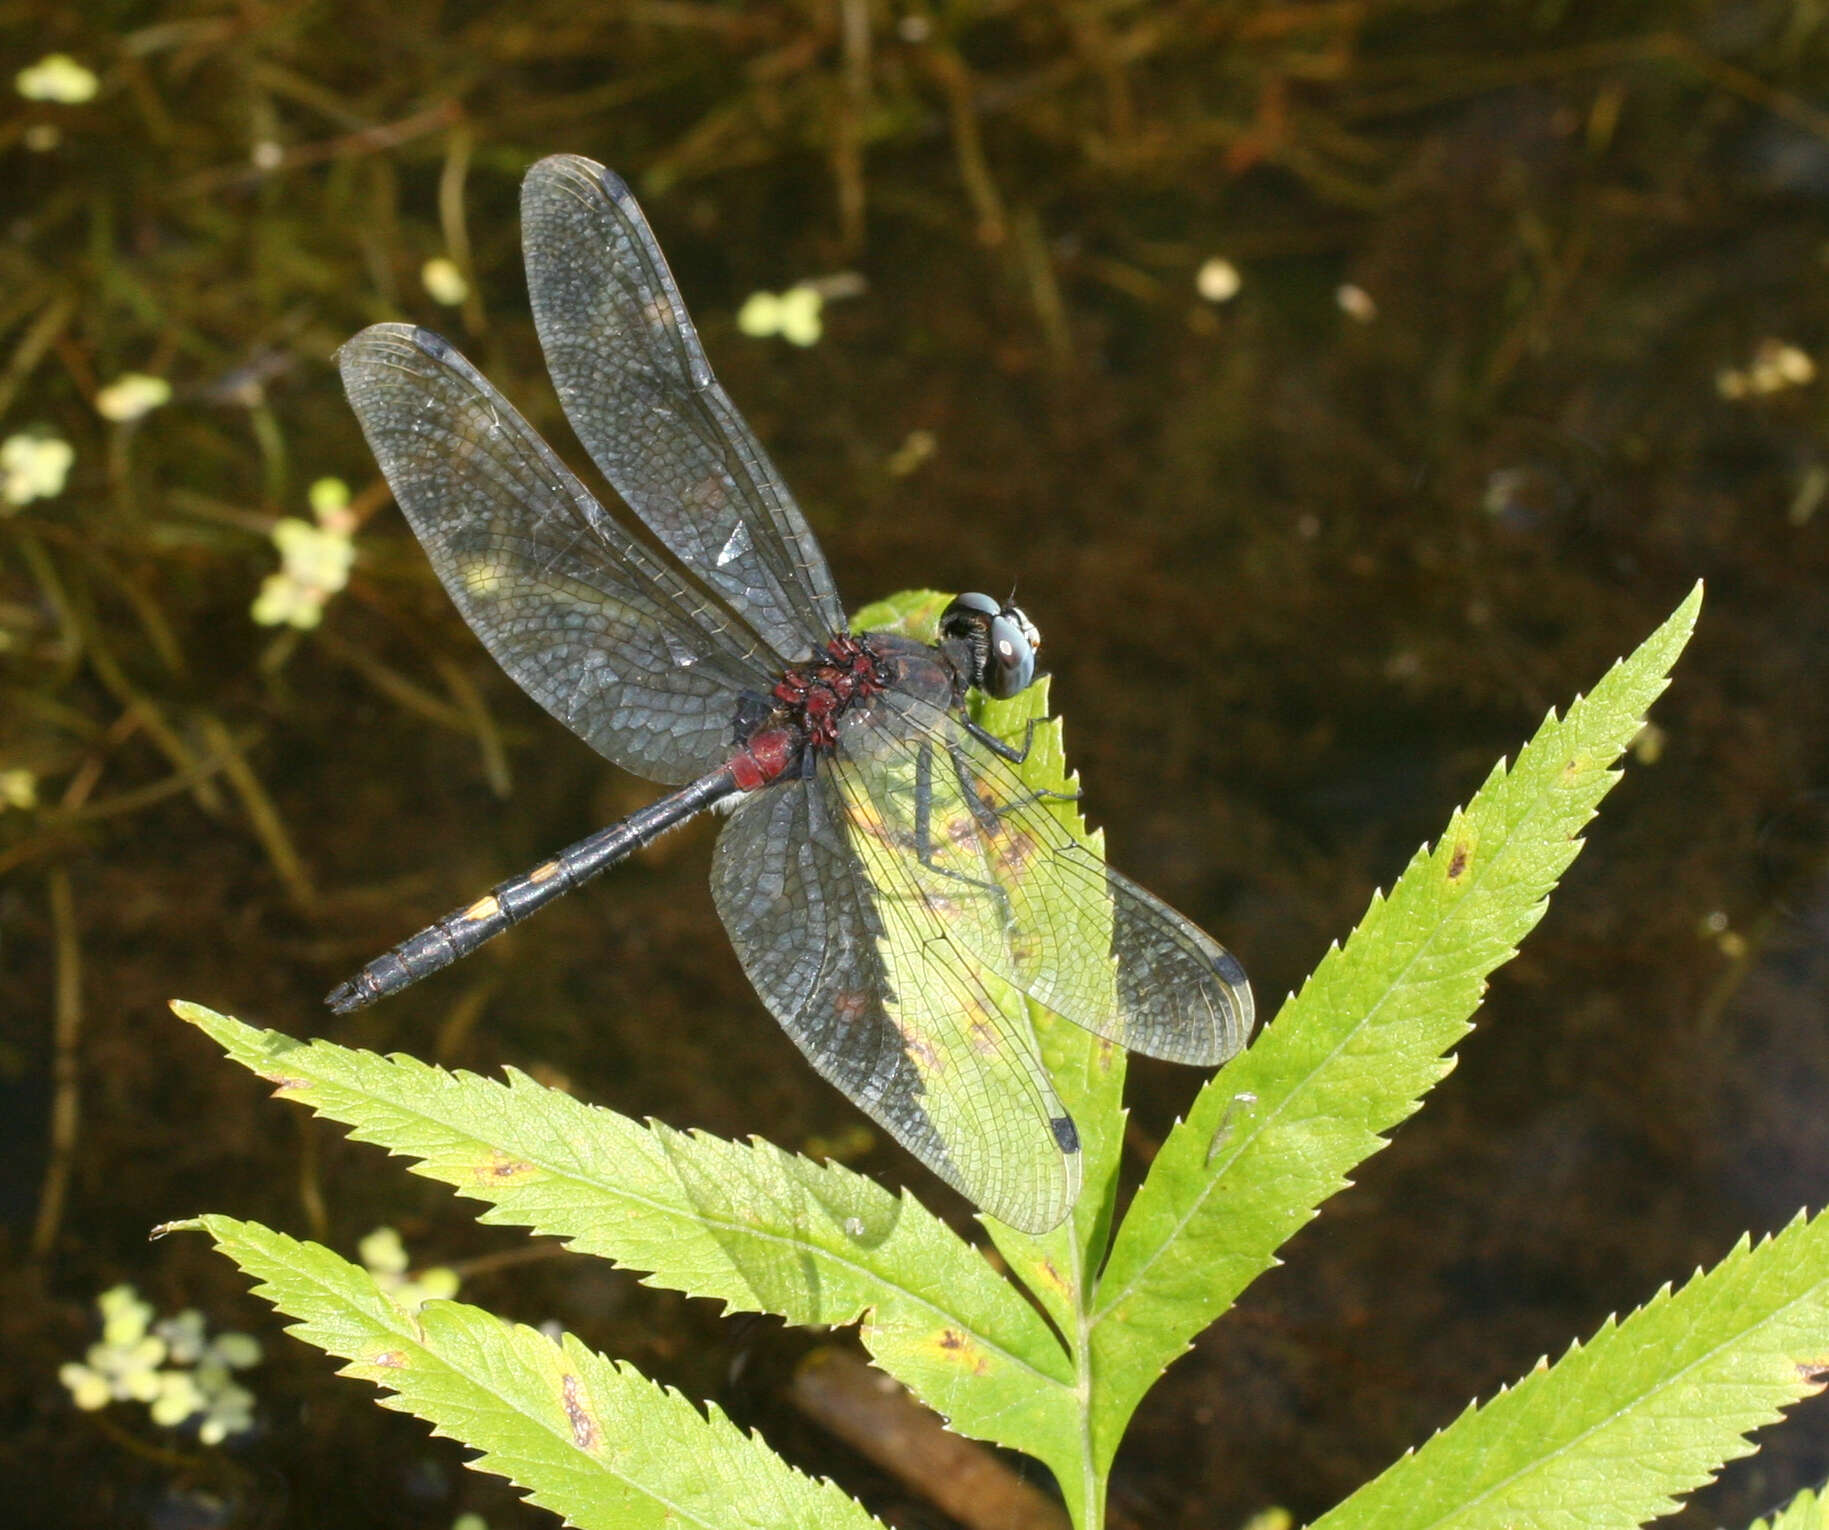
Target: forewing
{"x": 618, "y": 648}
{"x": 639, "y": 392}
{"x": 1039, "y": 909}
{"x": 864, "y": 980}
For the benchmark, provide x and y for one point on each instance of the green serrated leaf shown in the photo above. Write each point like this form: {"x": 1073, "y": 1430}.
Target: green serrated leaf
{"x": 908, "y": 613}
{"x": 1278, "y": 1129}
{"x": 1617, "y": 1431}
{"x": 588, "y": 1438}
{"x": 746, "y": 1223}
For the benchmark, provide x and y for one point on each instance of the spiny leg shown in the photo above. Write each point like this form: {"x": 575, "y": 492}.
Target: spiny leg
{"x": 1014, "y": 755}
{"x": 923, "y": 830}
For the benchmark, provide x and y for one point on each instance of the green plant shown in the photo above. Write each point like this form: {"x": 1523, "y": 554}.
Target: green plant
{"x": 1053, "y": 1359}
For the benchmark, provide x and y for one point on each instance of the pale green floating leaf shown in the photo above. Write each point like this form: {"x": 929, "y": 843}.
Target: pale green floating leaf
{"x": 33, "y": 466}
{"x": 18, "y": 789}
{"x": 443, "y": 281}
{"x": 793, "y": 315}
{"x": 57, "y": 77}
{"x": 382, "y": 1252}
{"x": 132, "y": 395}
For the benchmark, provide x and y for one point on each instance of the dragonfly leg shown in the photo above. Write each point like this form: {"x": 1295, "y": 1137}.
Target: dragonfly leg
{"x": 996, "y": 745}
{"x": 923, "y": 828}
{"x": 1014, "y": 755}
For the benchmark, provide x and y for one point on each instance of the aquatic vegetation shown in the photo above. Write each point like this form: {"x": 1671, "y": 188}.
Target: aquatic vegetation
{"x": 33, "y": 466}
{"x": 59, "y": 78}
{"x": 793, "y": 315}
{"x": 384, "y": 1256}
{"x": 184, "y": 1375}
{"x": 443, "y": 281}
{"x": 131, "y": 396}
{"x": 314, "y": 560}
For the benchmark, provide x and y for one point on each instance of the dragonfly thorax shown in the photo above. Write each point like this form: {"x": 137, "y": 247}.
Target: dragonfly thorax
{"x": 813, "y": 697}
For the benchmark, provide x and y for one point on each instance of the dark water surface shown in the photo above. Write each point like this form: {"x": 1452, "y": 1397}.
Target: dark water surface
{"x": 1304, "y": 576}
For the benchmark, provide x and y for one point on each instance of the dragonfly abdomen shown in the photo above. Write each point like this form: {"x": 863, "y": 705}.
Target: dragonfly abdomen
{"x": 462, "y": 930}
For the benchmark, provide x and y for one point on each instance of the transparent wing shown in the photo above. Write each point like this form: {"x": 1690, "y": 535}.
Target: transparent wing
{"x": 594, "y": 628}
{"x": 862, "y": 975}
{"x": 640, "y": 394}
{"x": 1035, "y": 906}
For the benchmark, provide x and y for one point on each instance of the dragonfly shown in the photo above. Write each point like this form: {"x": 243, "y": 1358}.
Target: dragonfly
{"x": 896, "y": 894}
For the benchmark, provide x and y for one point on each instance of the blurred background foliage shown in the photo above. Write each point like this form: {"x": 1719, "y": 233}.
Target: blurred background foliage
{"x": 1342, "y": 383}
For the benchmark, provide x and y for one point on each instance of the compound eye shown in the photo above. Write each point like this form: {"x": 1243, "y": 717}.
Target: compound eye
{"x": 1009, "y": 666}
{"x": 966, "y": 614}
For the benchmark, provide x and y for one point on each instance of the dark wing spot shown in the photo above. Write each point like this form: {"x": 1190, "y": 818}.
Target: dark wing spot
{"x": 1230, "y": 969}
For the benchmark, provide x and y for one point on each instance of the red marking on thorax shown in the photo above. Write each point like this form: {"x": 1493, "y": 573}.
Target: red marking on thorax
{"x": 764, "y": 758}
{"x": 814, "y": 698}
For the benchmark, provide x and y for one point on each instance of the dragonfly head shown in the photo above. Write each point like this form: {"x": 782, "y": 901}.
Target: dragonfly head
{"x": 1001, "y": 643}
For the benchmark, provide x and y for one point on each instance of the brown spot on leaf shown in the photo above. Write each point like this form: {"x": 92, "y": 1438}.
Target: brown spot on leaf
{"x": 584, "y": 1428}
{"x": 503, "y": 1170}
{"x": 956, "y": 1345}
{"x": 390, "y": 1359}
{"x": 1457, "y": 861}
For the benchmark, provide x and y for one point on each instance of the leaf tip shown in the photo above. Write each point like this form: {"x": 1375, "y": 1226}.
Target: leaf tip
{"x": 1681, "y": 623}
{"x": 192, "y": 1014}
